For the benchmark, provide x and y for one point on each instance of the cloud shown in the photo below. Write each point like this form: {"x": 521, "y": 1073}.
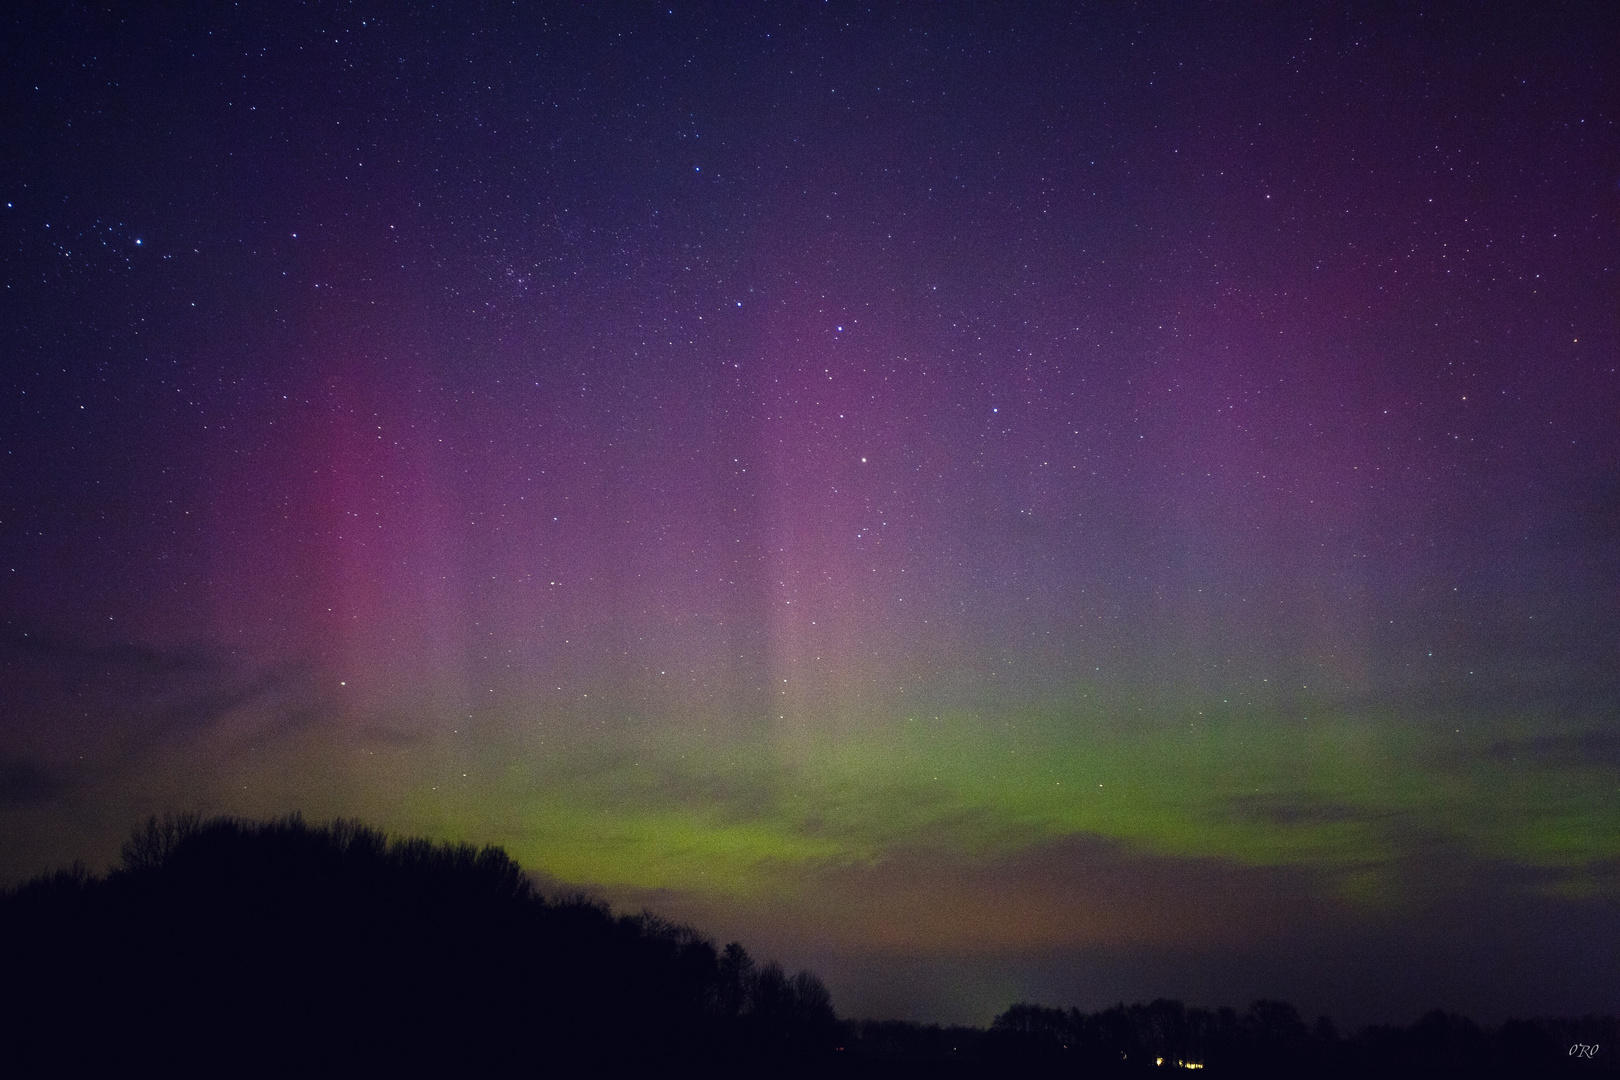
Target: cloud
{"x": 1284, "y": 809}
{"x": 121, "y": 700}
{"x": 1087, "y": 921}
{"x": 23, "y": 783}
{"x": 1593, "y": 748}
{"x": 86, "y": 660}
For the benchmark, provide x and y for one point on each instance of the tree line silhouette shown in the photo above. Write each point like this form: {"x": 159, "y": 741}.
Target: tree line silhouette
{"x": 1272, "y": 1040}
{"x": 238, "y": 947}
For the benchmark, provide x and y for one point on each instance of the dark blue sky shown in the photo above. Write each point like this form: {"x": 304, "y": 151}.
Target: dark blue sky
{"x": 990, "y": 503}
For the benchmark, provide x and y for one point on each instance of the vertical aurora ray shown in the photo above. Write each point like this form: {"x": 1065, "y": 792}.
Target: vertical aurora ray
{"x": 945, "y": 487}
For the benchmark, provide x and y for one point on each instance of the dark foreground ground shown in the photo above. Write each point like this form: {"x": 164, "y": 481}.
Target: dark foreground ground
{"x": 242, "y": 948}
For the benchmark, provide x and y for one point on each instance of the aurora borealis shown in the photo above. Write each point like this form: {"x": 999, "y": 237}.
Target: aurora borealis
{"x": 1053, "y": 503}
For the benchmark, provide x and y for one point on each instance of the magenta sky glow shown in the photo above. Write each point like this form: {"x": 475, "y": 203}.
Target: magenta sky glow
{"x": 1071, "y": 504}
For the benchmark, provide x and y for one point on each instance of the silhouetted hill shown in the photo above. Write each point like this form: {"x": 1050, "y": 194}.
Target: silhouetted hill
{"x": 232, "y": 947}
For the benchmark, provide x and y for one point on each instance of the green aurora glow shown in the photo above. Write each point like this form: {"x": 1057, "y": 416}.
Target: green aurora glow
{"x": 1347, "y": 796}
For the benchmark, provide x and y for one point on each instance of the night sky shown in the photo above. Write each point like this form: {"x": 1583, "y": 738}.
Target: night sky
{"x": 985, "y": 501}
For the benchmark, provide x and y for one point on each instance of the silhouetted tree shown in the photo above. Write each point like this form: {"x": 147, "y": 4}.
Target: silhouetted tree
{"x": 151, "y": 845}
{"x": 244, "y": 947}
{"x": 239, "y": 947}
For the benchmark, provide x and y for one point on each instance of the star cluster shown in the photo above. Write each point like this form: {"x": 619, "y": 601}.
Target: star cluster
{"x": 966, "y": 493}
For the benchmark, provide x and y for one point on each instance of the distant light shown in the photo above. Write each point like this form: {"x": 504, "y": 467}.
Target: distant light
{"x": 137, "y": 241}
